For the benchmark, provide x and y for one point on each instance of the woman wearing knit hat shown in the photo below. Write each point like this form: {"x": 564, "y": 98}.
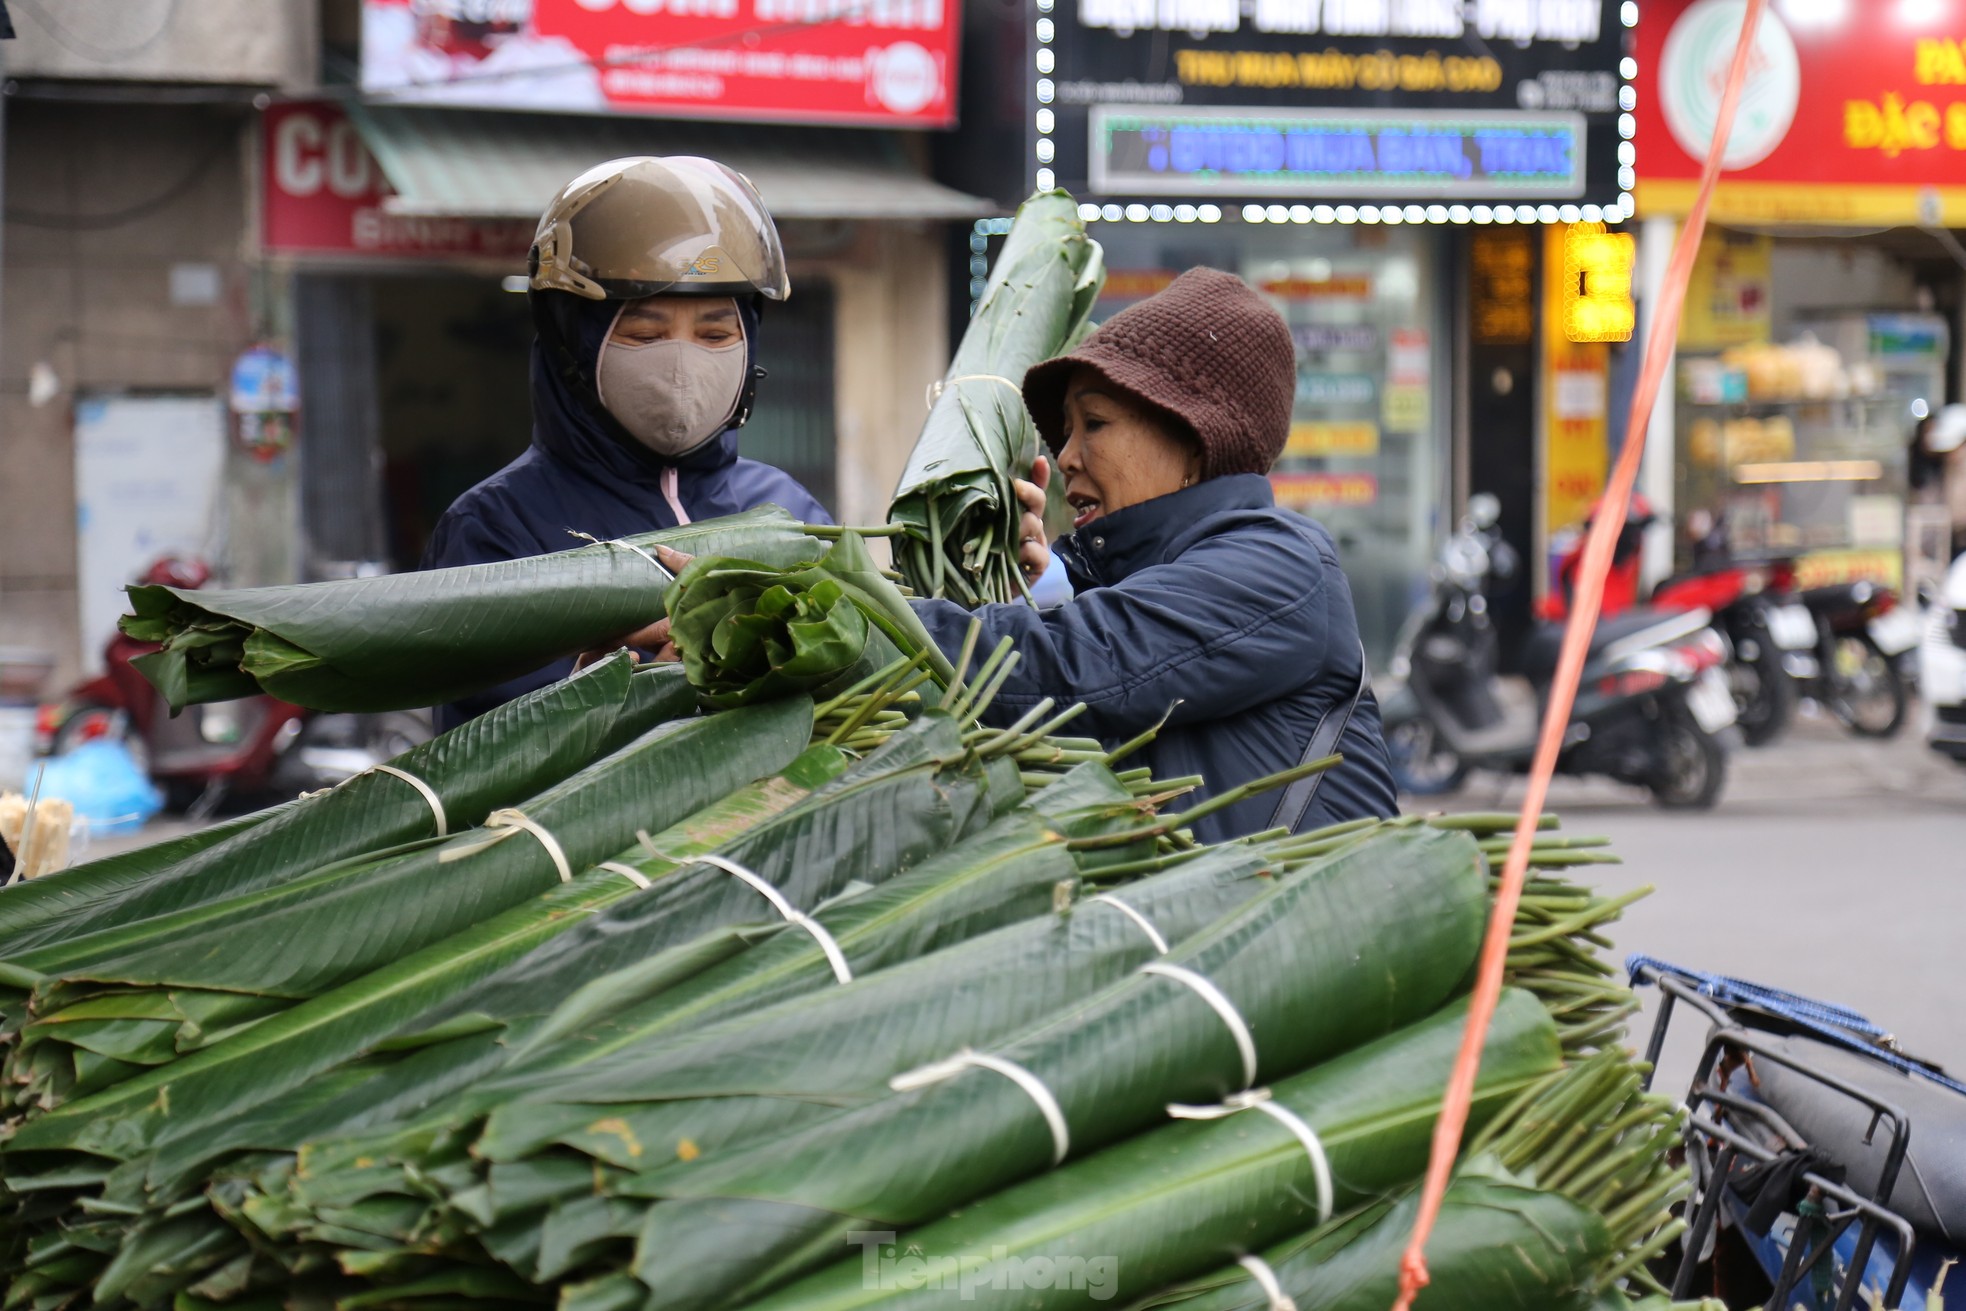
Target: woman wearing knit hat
{"x": 1197, "y": 601}
{"x": 1197, "y": 598}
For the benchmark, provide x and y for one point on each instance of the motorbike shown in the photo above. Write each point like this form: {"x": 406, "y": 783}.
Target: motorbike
{"x": 1810, "y": 1187}
{"x": 1652, "y": 708}
{"x": 1771, "y": 639}
{"x": 249, "y": 748}
{"x": 1865, "y": 638}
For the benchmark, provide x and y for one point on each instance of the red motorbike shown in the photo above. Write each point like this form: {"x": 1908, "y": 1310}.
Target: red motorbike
{"x": 249, "y": 748}
{"x": 1771, "y": 637}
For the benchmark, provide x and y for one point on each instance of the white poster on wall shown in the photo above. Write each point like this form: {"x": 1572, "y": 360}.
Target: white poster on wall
{"x": 147, "y": 476}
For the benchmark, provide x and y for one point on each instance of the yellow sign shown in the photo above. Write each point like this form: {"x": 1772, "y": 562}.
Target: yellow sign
{"x": 1319, "y": 438}
{"x": 1830, "y": 568}
{"x": 1404, "y": 407}
{"x": 1502, "y": 278}
{"x": 1727, "y": 301}
{"x": 1575, "y": 430}
{"x": 1324, "y": 491}
{"x": 1597, "y": 283}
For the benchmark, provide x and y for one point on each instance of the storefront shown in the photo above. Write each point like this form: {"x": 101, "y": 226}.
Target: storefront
{"x": 1821, "y": 323}
{"x": 1342, "y": 159}
{"x": 397, "y": 231}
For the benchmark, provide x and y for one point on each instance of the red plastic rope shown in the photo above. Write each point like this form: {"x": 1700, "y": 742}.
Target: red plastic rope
{"x": 1591, "y": 575}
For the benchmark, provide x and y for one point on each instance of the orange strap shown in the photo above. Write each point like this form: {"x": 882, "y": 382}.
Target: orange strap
{"x": 1596, "y": 565}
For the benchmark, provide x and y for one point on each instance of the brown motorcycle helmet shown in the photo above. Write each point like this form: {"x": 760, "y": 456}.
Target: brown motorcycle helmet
{"x": 648, "y": 226}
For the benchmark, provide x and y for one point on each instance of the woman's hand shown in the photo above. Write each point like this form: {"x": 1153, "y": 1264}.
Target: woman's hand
{"x": 1033, "y": 550}
{"x": 655, "y": 637}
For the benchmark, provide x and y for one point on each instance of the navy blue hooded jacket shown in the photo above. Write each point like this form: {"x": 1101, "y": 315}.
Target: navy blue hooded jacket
{"x": 584, "y": 473}
{"x": 1218, "y": 604}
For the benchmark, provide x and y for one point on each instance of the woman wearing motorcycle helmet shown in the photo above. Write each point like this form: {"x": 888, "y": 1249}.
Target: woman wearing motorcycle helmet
{"x": 647, "y": 281}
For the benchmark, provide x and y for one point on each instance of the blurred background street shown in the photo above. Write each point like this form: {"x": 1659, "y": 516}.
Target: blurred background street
{"x": 1833, "y": 867}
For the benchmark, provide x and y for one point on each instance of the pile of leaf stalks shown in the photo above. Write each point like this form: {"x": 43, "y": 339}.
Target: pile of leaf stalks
{"x": 607, "y": 1001}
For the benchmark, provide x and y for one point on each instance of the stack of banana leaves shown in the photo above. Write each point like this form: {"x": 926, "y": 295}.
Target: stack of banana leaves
{"x": 778, "y": 980}
{"x": 954, "y": 503}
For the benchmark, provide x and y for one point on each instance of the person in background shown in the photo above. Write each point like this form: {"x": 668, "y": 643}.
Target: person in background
{"x": 1937, "y": 468}
{"x": 648, "y": 279}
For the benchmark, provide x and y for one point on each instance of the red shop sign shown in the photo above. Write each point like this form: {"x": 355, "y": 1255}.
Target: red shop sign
{"x": 322, "y": 193}
{"x": 869, "y": 62}
{"x": 1854, "y": 111}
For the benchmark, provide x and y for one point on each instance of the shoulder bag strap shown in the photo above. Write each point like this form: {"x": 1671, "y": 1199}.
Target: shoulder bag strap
{"x": 1297, "y": 798}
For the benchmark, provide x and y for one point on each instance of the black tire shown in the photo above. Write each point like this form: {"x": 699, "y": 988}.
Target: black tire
{"x": 1868, "y": 693}
{"x": 1764, "y": 694}
{"x": 1422, "y": 766}
{"x": 1692, "y": 769}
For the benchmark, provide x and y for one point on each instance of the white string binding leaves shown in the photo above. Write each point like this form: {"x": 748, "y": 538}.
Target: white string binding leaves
{"x": 940, "y": 1071}
{"x": 502, "y": 824}
{"x": 1266, "y": 1279}
{"x": 1220, "y": 1004}
{"x": 1146, "y": 925}
{"x": 1260, "y": 1100}
{"x": 793, "y": 915}
{"x": 423, "y": 789}
{"x": 940, "y": 385}
{"x": 626, "y": 546}
{"x": 628, "y": 872}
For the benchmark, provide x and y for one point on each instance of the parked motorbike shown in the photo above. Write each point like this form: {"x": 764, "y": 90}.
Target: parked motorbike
{"x": 1865, "y": 638}
{"x": 250, "y": 748}
{"x": 1771, "y": 639}
{"x": 1651, "y": 710}
{"x": 1811, "y": 1188}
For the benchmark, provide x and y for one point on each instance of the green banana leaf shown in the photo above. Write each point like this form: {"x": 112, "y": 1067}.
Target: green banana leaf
{"x": 1008, "y": 871}
{"x": 422, "y": 639}
{"x": 749, "y": 631}
{"x": 954, "y": 501}
{"x": 495, "y": 760}
{"x": 798, "y": 1055}
{"x": 1189, "y": 1196}
{"x": 1377, "y": 938}
{"x": 297, "y": 945}
{"x": 1500, "y": 1244}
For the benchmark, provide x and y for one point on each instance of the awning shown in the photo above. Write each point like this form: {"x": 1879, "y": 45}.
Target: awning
{"x": 463, "y": 164}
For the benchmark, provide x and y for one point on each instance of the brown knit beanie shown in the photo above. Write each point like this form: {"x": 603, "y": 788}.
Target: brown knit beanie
{"x": 1208, "y": 350}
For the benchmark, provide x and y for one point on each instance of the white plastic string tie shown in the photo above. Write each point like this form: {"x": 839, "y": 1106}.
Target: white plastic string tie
{"x": 628, "y": 872}
{"x": 1259, "y": 1099}
{"x": 1220, "y": 1004}
{"x": 625, "y": 546}
{"x": 1266, "y": 1279}
{"x": 940, "y": 1071}
{"x": 940, "y": 385}
{"x": 501, "y": 825}
{"x": 1146, "y": 925}
{"x": 424, "y": 790}
{"x": 793, "y": 915}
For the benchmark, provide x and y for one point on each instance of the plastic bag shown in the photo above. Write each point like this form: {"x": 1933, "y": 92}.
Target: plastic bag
{"x": 104, "y": 783}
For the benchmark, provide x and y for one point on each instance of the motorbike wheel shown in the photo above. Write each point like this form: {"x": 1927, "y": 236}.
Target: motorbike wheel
{"x": 1693, "y": 765}
{"x": 1764, "y": 694}
{"x": 1422, "y": 765}
{"x": 1867, "y": 688}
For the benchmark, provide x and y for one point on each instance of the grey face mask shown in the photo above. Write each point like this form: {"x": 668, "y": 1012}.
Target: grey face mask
{"x": 672, "y": 396}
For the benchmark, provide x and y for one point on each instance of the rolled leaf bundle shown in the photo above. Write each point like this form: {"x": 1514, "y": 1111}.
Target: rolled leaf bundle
{"x": 750, "y": 631}
{"x": 495, "y": 760}
{"x": 424, "y": 639}
{"x": 1539, "y": 1215}
{"x": 954, "y": 501}
{"x": 279, "y": 945}
{"x": 1373, "y": 939}
{"x": 1192, "y": 1195}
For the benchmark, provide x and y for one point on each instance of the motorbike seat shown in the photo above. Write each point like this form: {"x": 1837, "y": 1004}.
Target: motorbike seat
{"x": 1539, "y": 653}
{"x": 1931, "y": 1189}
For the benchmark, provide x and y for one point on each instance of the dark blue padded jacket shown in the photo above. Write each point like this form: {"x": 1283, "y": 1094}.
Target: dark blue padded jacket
{"x": 1214, "y": 603}
{"x": 581, "y": 476}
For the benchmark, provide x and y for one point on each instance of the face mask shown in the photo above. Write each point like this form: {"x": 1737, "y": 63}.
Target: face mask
{"x": 672, "y": 396}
